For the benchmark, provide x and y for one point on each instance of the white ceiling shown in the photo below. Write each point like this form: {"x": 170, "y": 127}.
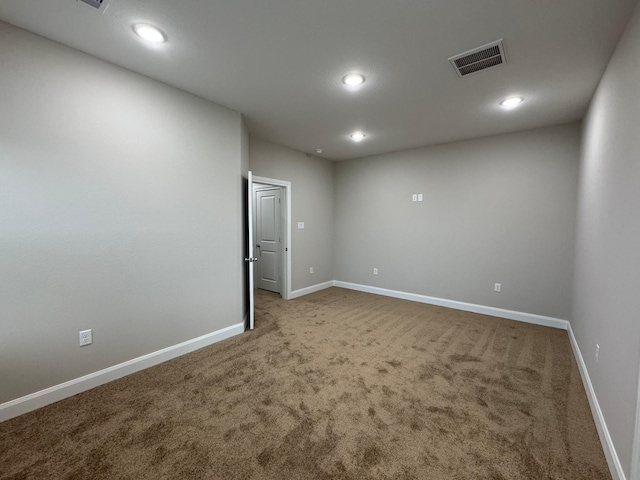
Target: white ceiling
{"x": 280, "y": 62}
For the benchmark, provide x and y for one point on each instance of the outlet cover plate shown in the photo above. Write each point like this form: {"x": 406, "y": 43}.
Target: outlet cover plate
{"x": 86, "y": 337}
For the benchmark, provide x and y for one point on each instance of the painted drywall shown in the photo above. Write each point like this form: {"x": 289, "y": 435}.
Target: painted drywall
{"x": 311, "y": 202}
{"x": 495, "y": 210}
{"x": 119, "y": 212}
{"x": 607, "y": 266}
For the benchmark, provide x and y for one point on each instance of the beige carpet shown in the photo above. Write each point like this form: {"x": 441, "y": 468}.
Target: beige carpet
{"x": 334, "y": 385}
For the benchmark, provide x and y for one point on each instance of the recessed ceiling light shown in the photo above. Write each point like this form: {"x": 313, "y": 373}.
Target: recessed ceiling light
{"x": 357, "y": 136}
{"x": 353, "y": 79}
{"x": 149, "y": 33}
{"x": 318, "y": 150}
{"x": 511, "y": 102}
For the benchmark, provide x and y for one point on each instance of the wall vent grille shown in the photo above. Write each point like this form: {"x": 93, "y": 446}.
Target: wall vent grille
{"x": 97, "y": 4}
{"x": 478, "y": 59}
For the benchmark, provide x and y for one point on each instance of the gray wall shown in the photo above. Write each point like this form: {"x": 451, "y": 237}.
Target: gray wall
{"x": 606, "y": 302}
{"x": 312, "y": 203}
{"x": 119, "y": 212}
{"x": 498, "y": 209}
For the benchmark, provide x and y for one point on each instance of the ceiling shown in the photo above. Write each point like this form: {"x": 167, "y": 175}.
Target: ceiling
{"x": 280, "y": 62}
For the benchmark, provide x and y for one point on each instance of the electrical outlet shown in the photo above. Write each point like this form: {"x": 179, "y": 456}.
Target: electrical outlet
{"x": 86, "y": 337}
{"x": 597, "y": 353}
{"x": 310, "y": 269}
{"x": 414, "y": 197}
{"x": 497, "y": 287}
{"x": 375, "y": 271}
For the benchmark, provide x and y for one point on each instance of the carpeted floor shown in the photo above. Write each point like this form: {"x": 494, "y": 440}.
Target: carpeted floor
{"x": 335, "y": 385}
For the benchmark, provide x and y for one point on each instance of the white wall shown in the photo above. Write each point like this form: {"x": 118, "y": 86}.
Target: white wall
{"x": 312, "y": 203}
{"x": 497, "y": 209}
{"x": 606, "y": 305}
{"x": 119, "y": 211}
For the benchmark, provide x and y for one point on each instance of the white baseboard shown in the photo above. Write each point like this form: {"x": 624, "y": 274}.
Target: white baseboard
{"x": 468, "y": 307}
{"x": 53, "y": 394}
{"x": 615, "y": 466}
{"x": 311, "y": 289}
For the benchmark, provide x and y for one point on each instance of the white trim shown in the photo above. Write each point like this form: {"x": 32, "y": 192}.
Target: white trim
{"x": 53, "y": 394}
{"x": 313, "y": 288}
{"x": 468, "y": 307}
{"x": 615, "y": 467}
{"x": 287, "y": 255}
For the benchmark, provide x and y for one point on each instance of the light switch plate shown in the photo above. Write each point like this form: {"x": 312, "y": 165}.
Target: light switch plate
{"x": 300, "y": 225}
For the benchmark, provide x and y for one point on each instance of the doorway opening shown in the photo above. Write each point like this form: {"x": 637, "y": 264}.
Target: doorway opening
{"x": 271, "y": 221}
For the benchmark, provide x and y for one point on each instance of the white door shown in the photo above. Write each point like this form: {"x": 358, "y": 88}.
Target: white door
{"x": 250, "y": 260}
{"x": 268, "y": 239}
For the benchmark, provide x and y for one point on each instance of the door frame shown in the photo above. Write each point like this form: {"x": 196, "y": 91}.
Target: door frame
{"x": 286, "y": 258}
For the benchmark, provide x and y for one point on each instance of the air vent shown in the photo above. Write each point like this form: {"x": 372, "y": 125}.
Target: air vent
{"x": 97, "y": 4}
{"x": 478, "y": 59}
